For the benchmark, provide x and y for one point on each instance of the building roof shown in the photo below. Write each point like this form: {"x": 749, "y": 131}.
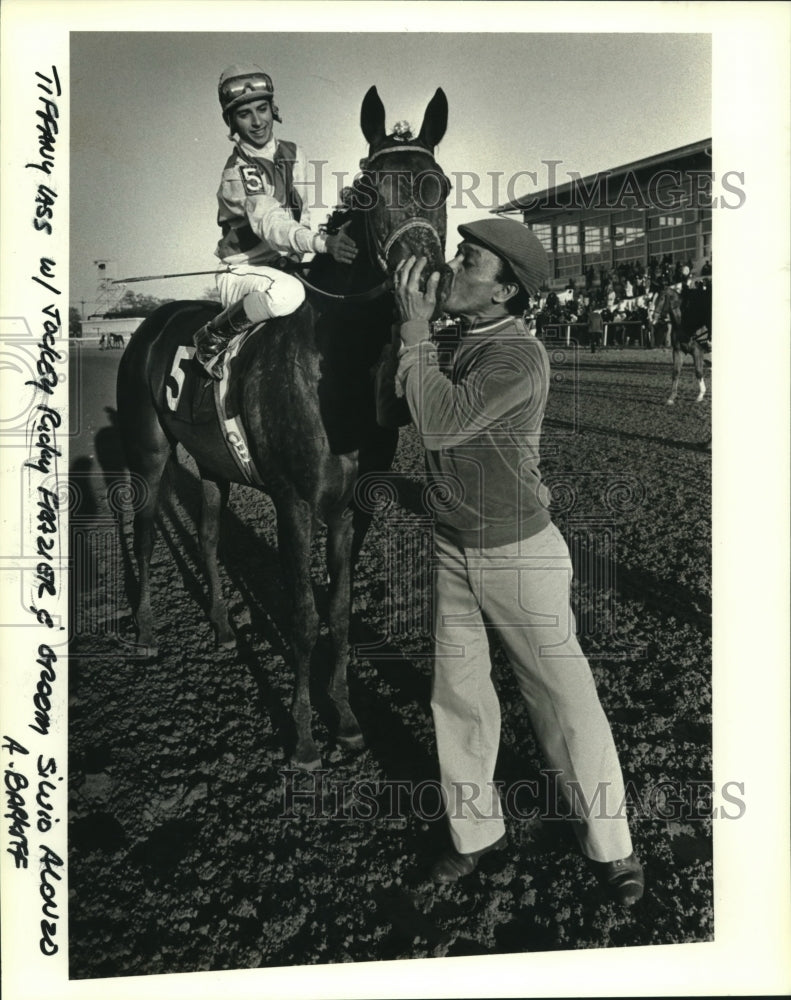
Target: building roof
{"x": 692, "y": 151}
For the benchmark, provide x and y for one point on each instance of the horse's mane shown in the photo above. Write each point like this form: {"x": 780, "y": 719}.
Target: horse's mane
{"x": 340, "y": 278}
{"x": 349, "y": 209}
{"x": 340, "y": 216}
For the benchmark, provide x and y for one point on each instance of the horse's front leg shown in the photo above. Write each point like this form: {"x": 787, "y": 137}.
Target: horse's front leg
{"x": 678, "y": 362}
{"x": 294, "y": 531}
{"x": 340, "y": 531}
{"x": 214, "y": 501}
{"x": 697, "y": 358}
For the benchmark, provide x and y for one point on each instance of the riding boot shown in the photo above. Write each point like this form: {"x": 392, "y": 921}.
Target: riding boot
{"x": 212, "y": 340}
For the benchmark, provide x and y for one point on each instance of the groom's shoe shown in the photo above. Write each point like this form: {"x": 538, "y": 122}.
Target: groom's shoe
{"x": 624, "y": 879}
{"x": 451, "y": 866}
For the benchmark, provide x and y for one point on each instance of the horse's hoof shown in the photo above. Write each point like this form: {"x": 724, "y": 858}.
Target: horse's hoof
{"x": 670, "y": 402}
{"x": 146, "y": 644}
{"x": 306, "y": 765}
{"x": 226, "y": 642}
{"x": 355, "y": 741}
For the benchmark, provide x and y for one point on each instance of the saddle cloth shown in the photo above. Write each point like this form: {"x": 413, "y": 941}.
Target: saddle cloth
{"x": 210, "y": 406}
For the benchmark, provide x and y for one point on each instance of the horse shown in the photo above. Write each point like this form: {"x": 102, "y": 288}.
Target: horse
{"x": 689, "y": 315}
{"x": 303, "y": 390}
{"x": 117, "y": 340}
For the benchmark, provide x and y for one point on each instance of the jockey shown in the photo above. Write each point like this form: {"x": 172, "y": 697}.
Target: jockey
{"x": 263, "y": 217}
{"x": 683, "y": 279}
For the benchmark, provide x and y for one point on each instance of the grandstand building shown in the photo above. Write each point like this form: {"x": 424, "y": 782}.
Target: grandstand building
{"x": 653, "y": 208}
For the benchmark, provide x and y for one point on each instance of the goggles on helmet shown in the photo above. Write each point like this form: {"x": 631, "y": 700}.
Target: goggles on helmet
{"x": 237, "y": 90}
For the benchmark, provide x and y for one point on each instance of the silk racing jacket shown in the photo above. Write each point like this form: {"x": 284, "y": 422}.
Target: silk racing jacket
{"x": 263, "y": 212}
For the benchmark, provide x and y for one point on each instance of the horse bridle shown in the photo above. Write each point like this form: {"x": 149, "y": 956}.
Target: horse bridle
{"x": 376, "y": 251}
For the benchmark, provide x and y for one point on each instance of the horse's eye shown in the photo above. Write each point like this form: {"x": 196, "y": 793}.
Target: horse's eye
{"x": 430, "y": 189}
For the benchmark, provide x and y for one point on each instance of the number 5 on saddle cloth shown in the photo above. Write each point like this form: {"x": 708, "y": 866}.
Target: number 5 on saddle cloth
{"x": 209, "y": 409}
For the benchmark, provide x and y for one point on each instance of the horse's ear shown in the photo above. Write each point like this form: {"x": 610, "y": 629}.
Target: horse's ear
{"x": 372, "y": 117}
{"x": 435, "y": 120}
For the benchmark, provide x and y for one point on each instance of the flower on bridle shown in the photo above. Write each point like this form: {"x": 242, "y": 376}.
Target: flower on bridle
{"x": 402, "y": 131}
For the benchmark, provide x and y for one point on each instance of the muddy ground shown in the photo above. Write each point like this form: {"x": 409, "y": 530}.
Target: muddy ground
{"x": 189, "y": 847}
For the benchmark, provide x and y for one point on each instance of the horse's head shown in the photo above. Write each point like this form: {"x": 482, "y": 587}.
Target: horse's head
{"x": 402, "y": 190}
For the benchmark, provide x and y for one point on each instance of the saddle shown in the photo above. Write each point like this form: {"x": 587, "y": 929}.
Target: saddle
{"x": 211, "y": 407}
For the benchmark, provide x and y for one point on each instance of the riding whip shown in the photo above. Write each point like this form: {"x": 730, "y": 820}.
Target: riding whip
{"x": 358, "y": 297}
{"x": 160, "y": 277}
{"x": 190, "y": 274}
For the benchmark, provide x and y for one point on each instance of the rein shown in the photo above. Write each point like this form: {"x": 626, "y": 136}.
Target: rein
{"x": 376, "y": 253}
{"x": 372, "y": 293}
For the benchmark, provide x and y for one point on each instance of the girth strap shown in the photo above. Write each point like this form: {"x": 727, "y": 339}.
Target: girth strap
{"x": 231, "y": 426}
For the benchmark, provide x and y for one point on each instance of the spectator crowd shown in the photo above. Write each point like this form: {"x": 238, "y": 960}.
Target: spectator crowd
{"x": 621, "y": 298}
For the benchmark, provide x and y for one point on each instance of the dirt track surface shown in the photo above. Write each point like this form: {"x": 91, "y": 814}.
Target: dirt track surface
{"x": 186, "y": 852}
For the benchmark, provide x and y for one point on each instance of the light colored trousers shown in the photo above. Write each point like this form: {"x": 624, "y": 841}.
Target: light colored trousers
{"x": 522, "y": 589}
{"x": 267, "y": 291}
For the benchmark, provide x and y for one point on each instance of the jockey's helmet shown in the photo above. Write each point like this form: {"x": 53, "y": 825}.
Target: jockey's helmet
{"x": 241, "y": 84}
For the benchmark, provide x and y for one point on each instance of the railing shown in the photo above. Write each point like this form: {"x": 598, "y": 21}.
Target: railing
{"x": 626, "y": 331}
{"x": 563, "y": 331}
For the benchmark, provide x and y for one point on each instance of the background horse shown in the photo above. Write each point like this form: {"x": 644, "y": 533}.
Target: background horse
{"x": 303, "y": 389}
{"x": 689, "y": 315}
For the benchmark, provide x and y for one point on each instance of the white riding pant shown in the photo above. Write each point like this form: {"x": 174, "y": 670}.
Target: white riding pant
{"x": 267, "y": 292}
{"x": 522, "y": 589}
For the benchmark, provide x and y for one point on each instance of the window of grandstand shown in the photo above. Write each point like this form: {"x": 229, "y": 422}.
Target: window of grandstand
{"x": 628, "y": 235}
{"x": 544, "y": 233}
{"x": 568, "y": 259}
{"x": 568, "y": 239}
{"x": 675, "y": 235}
{"x": 597, "y": 245}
